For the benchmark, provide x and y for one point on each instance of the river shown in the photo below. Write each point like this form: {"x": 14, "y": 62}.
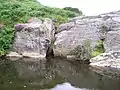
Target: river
{"x": 29, "y": 74}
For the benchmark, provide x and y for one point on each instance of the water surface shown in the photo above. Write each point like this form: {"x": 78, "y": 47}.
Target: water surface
{"x": 27, "y": 74}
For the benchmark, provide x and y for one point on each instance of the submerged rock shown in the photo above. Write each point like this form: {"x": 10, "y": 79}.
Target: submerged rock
{"x": 33, "y": 39}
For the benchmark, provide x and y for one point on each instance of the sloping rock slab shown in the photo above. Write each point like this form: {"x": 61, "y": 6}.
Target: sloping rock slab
{"x": 110, "y": 59}
{"x": 107, "y": 64}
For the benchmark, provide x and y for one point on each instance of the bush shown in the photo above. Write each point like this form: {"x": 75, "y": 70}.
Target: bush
{"x": 6, "y": 36}
{"x": 99, "y": 49}
{"x": 76, "y": 10}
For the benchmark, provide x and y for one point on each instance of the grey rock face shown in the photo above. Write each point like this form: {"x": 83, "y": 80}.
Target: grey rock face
{"x": 85, "y": 32}
{"x": 77, "y": 38}
{"x": 110, "y": 59}
{"x": 112, "y": 41}
{"x": 107, "y": 64}
{"x": 32, "y": 39}
{"x": 66, "y": 26}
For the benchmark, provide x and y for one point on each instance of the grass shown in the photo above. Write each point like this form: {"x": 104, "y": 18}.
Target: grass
{"x": 99, "y": 49}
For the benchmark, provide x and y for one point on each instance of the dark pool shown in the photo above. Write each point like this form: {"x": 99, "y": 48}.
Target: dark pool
{"x": 29, "y": 74}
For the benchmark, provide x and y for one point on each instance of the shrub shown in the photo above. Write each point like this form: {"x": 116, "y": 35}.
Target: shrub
{"x": 98, "y": 49}
{"x": 6, "y": 36}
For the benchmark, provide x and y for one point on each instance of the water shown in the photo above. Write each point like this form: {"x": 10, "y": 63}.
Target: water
{"x": 27, "y": 74}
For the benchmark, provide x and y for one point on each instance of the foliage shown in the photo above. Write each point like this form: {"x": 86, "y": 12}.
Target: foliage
{"x": 99, "y": 49}
{"x": 14, "y": 11}
{"x": 6, "y": 36}
{"x": 76, "y": 10}
{"x": 20, "y": 11}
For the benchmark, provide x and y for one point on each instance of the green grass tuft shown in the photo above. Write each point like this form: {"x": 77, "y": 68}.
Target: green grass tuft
{"x": 99, "y": 49}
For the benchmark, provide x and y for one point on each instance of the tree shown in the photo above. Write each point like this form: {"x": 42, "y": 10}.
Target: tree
{"x": 76, "y": 10}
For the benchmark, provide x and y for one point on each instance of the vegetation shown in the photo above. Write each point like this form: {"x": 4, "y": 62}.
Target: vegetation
{"x": 99, "y": 49}
{"x": 6, "y": 36}
{"x": 20, "y": 11}
{"x": 76, "y": 10}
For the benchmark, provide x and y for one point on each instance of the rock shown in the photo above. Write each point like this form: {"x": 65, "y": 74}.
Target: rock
{"x": 85, "y": 32}
{"x": 19, "y": 27}
{"x": 13, "y": 54}
{"x": 78, "y": 38}
{"x": 33, "y": 55}
{"x": 112, "y": 41}
{"x": 71, "y": 57}
{"x": 110, "y": 59}
{"x": 32, "y": 39}
{"x": 66, "y": 26}
{"x": 51, "y": 35}
{"x": 107, "y": 64}
{"x": 51, "y": 28}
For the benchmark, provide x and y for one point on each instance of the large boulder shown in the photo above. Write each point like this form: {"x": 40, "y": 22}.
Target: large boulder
{"x": 107, "y": 64}
{"x": 33, "y": 39}
{"x": 78, "y": 38}
{"x": 109, "y": 59}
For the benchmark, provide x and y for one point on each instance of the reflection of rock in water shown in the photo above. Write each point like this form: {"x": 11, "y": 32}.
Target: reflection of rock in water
{"x": 107, "y": 71}
{"x": 46, "y": 74}
{"x": 66, "y": 86}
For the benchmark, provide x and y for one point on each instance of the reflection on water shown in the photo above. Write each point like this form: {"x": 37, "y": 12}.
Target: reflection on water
{"x": 66, "y": 86}
{"x": 28, "y": 74}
